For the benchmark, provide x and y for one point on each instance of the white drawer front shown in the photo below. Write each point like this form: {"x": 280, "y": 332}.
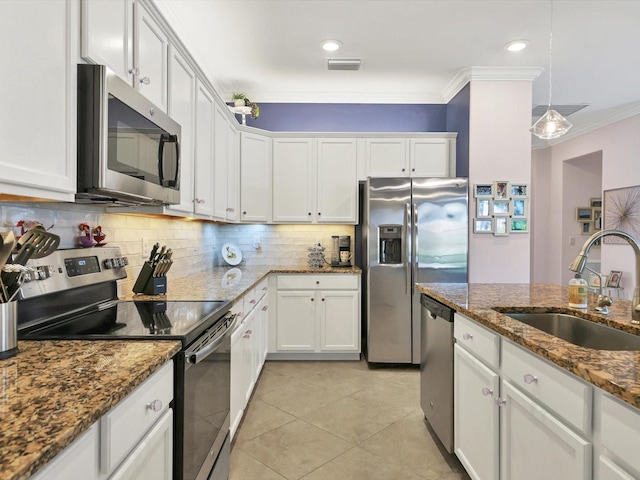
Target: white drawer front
{"x": 610, "y": 471}
{"x": 325, "y": 282}
{"x": 261, "y": 289}
{"x": 250, "y": 301}
{"x": 126, "y": 424}
{"x": 481, "y": 341}
{"x": 559, "y": 390}
{"x": 620, "y": 430}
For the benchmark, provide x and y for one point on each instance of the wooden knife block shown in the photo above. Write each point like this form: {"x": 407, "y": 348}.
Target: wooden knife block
{"x": 148, "y": 284}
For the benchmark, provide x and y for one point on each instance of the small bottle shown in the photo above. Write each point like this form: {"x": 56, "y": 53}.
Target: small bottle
{"x": 577, "y": 292}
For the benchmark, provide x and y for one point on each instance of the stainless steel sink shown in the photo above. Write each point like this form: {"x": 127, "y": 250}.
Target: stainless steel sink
{"x": 579, "y": 331}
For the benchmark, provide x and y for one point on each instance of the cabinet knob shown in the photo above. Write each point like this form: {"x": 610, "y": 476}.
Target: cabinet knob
{"x": 467, "y": 336}
{"x": 155, "y": 406}
{"x": 487, "y": 392}
{"x": 244, "y": 213}
{"x": 323, "y": 299}
{"x": 530, "y": 379}
{"x": 145, "y": 80}
{"x": 403, "y": 169}
{"x": 413, "y": 169}
{"x": 265, "y": 308}
{"x": 312, "y": 299}
{"x": 501, "y": 402}
{"x": 319, "y": 213}
{"x": 134, "y": 71}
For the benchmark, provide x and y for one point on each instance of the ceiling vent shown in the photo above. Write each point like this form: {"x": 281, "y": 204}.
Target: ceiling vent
{"x": 344, "y": 63}
{"x": 564, "y": 110}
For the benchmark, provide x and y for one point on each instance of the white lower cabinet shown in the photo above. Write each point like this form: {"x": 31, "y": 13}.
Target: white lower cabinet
{"x": 134, "y": 440}
{"x": 316, "y": 314}
{"x": 248, "y": 350}
{"x": 517, "y": 416}
{"x": 476, "y": 426}
{"x": 535, "y": 444}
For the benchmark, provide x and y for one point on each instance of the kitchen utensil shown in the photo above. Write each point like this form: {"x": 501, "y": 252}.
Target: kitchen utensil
{"x": 8, "y": 243}
{"x": 44, "y": 243}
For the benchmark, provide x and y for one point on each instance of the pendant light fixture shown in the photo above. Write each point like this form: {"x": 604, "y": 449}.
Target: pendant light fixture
{"x": 551, "y": 124}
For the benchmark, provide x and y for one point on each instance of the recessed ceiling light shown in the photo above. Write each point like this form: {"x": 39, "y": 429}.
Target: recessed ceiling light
{"x": 331, "y": 45}
{"x": 517, "y": 45}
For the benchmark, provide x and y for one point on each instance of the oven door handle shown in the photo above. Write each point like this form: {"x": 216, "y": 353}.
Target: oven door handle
{"x": 196, "y": 357}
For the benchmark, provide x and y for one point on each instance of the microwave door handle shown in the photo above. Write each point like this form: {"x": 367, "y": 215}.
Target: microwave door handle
{"x": 165, "y": 138}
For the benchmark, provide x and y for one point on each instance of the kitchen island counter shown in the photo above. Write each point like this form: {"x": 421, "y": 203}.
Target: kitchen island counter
{"x": 614, "y": 371}
{"x": 230, "y": 283}
{"x": 52, "y": 391}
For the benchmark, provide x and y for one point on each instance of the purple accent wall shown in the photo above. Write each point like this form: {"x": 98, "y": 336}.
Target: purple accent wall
{"x": 345, "y": 117}
{"x": 458, "y": 121}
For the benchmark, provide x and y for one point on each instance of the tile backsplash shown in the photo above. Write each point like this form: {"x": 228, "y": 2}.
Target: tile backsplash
{"x": 196, "y": 245}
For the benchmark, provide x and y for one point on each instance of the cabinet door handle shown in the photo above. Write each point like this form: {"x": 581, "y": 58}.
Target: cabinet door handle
{"x": 155, "y": 406}
{"x": 145, "y": 80}
{"x": 252, "y": 301}
{"x": 265, "y": 308}
{"x": 467, "y": 336}
{"x": 501, "y": 402}
{"x": 530, "y": 379}
{"x": 487, "y": 392}
{"x": 134, "y": 71}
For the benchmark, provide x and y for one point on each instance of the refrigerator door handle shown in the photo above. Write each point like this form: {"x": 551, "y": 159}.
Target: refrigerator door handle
{"x": 414, "y": 247}
{"x": 408, "y": 235}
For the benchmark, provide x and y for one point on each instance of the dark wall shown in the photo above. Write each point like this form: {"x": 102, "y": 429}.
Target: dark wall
{"x": 343, "y": 117}
{"x": 458, "y": 121}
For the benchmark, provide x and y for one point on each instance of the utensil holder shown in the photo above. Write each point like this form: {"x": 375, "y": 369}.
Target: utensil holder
{"x": 8, "y": 329}
{"x": 148, "y": 284}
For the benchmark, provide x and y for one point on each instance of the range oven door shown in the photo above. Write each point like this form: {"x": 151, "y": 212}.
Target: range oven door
{"x": 202, "y": 407}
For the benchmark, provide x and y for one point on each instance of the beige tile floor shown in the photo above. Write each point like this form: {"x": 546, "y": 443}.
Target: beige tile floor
{"x": 338, "y": 421}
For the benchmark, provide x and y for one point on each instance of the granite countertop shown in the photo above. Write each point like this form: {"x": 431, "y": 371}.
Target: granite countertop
{"x": 229, "y": 283}
{"x": 52, "y": 391}
{"x": 617, "y": 372}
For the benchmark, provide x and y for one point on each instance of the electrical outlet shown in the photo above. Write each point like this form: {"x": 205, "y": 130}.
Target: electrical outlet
{"x": 146, "y": 247}
{"x": 256, "y": 242}
{"x": 572, "y": 241}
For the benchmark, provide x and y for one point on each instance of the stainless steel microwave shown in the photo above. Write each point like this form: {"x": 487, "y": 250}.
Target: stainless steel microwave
{"x": 128, "y": 149}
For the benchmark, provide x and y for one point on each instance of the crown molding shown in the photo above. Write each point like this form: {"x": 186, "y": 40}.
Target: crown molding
{"x": 468, "y": 74}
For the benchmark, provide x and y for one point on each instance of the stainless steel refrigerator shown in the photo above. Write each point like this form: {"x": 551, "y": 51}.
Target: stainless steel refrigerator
{"x": 415, "y": 231}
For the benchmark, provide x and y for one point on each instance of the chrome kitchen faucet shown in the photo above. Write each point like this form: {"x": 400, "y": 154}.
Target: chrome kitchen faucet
{"x": 580, "y": 261}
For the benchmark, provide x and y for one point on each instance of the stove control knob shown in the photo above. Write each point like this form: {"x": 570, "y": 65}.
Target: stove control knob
{"x": 125, "y": 261}
{"x": 107, "y": 263}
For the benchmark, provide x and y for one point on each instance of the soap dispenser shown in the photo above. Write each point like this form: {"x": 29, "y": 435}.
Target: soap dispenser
{"x": 577, "y": 292}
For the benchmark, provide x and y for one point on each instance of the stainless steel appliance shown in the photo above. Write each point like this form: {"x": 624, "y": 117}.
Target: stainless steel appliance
{"x": 415, "y": 230}
{"x": 128, "y": 149}
{"x": 73, "y": 295}
{"x": 436, "y": 368}
{"x": 341, "y": 254}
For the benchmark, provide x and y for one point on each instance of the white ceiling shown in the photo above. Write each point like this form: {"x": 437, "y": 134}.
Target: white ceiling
{"x": 412, "y": 50}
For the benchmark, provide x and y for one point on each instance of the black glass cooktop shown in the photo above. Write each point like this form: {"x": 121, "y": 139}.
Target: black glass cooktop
{"x": 133, "y": 320}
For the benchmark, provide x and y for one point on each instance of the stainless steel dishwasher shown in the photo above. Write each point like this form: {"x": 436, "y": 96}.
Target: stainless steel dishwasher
{"x": 436, "y": 368}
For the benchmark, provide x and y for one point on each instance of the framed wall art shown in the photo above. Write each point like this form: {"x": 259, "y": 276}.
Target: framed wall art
{"x": 483, "y": 190}
{"x": 519, "y": 190}
{"x": 501, "y": 190}
{"x": 584, "y": 214}
{"x": 483, "y": 225}
{"x": 501, "y": 226}
{"x": 621, "y": 211}
{"x": 519, "y": 207}
{"x": 501, "y": 207}
{"x": 483, "y": 208}
{"x": 519, "y": 225}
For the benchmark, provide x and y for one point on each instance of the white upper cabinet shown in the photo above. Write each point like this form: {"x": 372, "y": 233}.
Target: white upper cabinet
{"x": 255, "y": 177}
{"x": 386, "y": 157}
{"x": 233, "y": 173}
{"x": 419, "y": 156}
{"x": 337, "y": 180}
{"x": 107, "y": 34}
{"x": 182, "y": 85}
{"x": 38, "y": 115}
{"x": 221, "y": 159}
{"x": 294, "y": 160}
{"x": 429, "y": 157}
{"x": 151, "y": 46}
{"x": 204, "y": 159}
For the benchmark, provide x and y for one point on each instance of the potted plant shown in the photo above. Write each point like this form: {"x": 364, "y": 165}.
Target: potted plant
{"x": 239, "y": 99}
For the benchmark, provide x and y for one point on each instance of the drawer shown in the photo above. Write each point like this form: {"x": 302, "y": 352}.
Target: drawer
{"x": 480, "y": 341}
{"x": 620, "y": 429}
{"x": 250, "y": 301}
{"x": 324, "y": 282}
{"x": 261, "y": 289}
{"x": 560, "y": 391}
{"x": 238, "y": 308}
{"x": 123, "y": 427}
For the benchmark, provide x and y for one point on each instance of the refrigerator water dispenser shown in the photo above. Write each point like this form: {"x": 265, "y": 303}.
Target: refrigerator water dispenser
{"x": 390, "y": 244}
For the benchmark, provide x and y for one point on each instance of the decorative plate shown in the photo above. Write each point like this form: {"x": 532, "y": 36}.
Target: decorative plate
{"x": 232, "y": 277}
{"x": 231, "y": 254}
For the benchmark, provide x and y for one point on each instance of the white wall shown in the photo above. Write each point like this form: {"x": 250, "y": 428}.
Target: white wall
{"x": 499, "y": 149}
{"x": 620, "y": 144}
